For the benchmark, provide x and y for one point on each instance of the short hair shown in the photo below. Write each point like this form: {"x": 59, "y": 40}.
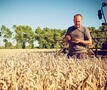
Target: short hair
{"x": 77, "y": 15}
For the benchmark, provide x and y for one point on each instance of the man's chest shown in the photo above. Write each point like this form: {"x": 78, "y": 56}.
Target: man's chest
{"x": 77, "y": 34}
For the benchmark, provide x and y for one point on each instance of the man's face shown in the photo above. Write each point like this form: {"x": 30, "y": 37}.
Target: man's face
{"x": 78, "y": 21}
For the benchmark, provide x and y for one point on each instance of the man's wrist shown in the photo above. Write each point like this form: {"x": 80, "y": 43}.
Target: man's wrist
{"x": 81, "y": 41}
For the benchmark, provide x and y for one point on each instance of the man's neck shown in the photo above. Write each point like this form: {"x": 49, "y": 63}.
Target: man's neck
{"x": 77, "y": 27}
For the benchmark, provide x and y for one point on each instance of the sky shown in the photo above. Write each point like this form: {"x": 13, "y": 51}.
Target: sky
{"x": 49, "y": 13}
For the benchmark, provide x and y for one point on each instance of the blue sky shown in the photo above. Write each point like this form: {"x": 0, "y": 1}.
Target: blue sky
{"x": 49, "y": 13}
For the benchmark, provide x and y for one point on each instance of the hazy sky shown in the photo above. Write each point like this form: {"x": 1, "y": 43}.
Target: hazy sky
{"x": 49, "y": 13}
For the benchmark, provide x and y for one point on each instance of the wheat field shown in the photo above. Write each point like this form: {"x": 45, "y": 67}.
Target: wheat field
{"x": 37, "y": 70}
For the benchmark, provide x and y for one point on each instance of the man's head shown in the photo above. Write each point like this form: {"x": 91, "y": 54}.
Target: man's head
{"x": 78, "y": 20}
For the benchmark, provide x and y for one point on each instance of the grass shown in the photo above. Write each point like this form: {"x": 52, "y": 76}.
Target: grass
{"x": 32, "y": 70}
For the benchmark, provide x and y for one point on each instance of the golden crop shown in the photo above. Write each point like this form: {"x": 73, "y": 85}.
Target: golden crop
{"x": 31, "y": 70}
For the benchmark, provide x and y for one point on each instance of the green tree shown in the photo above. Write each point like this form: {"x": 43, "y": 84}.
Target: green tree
{"x": 6, "y": 34}
{"x": 19, "y": 35}
{"x": 99, "y": 35}
{"x": 30, "y": 36}
{"x": 24, "y": 34}
{"x": 102, "y": 35}
{"x": 39, "y": 36}
{"x": 7, "y": 43}
{"x": 47, "y": 37}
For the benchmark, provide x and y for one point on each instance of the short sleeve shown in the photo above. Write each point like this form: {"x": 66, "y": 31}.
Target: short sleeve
{"x": 70, "y": 29}
{"x": 68, "y": 32}
{"x": 87, "y": 34}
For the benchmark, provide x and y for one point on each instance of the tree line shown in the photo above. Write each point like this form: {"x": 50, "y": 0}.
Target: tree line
{"x": 46, "y": 37}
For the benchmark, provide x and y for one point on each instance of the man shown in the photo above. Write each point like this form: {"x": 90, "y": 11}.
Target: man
{"x": 78, "y": 37}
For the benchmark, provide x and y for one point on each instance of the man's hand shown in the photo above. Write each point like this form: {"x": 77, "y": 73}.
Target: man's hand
{"x": 67, "y": 38}
{"x": 86, "y": 42}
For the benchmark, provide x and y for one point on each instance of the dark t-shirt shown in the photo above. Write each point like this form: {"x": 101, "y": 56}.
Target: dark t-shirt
{"x": 81, "y": 33}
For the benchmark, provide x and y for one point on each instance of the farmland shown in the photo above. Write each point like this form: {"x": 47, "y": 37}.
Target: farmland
{"x": 32, "y": 69}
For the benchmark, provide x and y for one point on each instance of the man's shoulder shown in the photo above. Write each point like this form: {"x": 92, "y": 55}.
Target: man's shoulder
{"x": 83, "y": 27}
{"x": 71, "y": 28}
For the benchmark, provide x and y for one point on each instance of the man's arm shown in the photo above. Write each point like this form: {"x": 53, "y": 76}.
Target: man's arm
{"x": 85, "y": 42}
{"x": 67, "y": 38}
